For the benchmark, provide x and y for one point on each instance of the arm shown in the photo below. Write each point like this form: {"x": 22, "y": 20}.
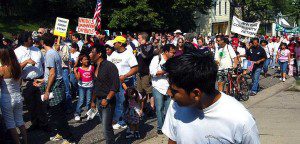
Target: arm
{"x": 171, "y": 142}
{"x": 77, "y": 74}
{"x": 51, "y": 80}
{"x": 132, "y": 71}
{"x": 23, "y": 64}
{"x": 114, "y": 86}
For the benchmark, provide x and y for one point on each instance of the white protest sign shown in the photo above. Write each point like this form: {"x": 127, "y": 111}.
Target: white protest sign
{"x": 86, "y": 26}
{"x": 61, "y": 27}
{"x": 244, "y": 28}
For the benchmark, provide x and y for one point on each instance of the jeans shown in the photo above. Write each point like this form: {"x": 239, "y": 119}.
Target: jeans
{"x": 106, "y": 117}
{"x": 65, "y": 74}
{"x": 74, "y": 84}
{"x": 255, "y": 79}
{"x": 283, "y": 66}
{"x": 120, "y": 98}
{"x": 83, "y": 93}
{"x": 266, "y": 65}
{"x": 59, "y": 122}
{"x": 161, "y": 103}
{"x": 273, "y": 63}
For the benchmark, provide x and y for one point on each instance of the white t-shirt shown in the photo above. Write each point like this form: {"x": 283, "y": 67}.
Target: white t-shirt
{"x": 34, "y": 53}
{"x": 124, "y": 61}
{"x": 159, "y": 83}
{"x": 129, "y": 48}
{"x": 225, "y": 122}
{"x": 75, "y": 56}
{"x": 271, "y": 47}
{"x": 276, "y": 47}
{"x": 135, "y": 42}
{"x": 227, "y": 58}
{"x": 242, "y": 51}
{"x": 268, "y": 51}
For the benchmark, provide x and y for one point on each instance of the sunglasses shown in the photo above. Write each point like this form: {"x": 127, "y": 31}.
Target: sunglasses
{"x": 40, "y": 33}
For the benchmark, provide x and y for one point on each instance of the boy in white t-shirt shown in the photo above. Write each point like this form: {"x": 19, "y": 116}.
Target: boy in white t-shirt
{"x": 199, "y": 113}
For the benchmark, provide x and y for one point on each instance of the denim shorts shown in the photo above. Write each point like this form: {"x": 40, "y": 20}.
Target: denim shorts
{"x": 283, "y": 66}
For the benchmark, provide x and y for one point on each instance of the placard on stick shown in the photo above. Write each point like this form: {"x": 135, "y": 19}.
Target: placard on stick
{"x": 61, "y": 27}
{"x": 86, "y": 26}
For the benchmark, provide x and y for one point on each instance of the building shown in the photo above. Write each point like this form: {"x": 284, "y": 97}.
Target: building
{"x": 217, "y": 21}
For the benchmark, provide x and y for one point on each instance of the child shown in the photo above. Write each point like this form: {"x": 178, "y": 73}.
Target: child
{"x": 84, "y": 75}
{"x": 133, "y": 112}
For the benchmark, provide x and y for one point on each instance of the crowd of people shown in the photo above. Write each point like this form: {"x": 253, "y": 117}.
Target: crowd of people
{"x": 132, "y": 76}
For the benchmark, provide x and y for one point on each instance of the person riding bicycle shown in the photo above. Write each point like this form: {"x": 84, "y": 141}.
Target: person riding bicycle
{"x": 225, "y": 58}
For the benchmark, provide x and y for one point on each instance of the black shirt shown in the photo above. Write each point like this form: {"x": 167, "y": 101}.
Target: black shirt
{"x": 144, "y": 59}
{"x": 255, "y": 54}
{"x": 107, "y": 79}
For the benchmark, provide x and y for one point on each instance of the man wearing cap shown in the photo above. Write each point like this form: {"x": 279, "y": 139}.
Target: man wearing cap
{"x": 127, "y": 66}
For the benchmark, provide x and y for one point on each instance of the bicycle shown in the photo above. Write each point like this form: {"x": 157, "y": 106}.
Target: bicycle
{"x": 235, "y": 84}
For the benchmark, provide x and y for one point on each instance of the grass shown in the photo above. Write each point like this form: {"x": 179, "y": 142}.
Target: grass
{"x": 15, "y": 26}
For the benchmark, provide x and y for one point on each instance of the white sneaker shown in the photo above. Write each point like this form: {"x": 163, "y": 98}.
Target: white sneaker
{"x": 280, "y": 79}
{"x": 57, "y": 137}
{"x": 122, "y": 124}
{"x": 116, "y": 126}
{"x": 283, "y": 79}
{"x": 77, "y": 118}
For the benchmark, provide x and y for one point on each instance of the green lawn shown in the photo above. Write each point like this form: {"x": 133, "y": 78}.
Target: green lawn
{"x": 9, "y": 26}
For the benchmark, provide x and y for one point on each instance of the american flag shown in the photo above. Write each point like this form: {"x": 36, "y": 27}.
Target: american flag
{"x": 97, "y": 15}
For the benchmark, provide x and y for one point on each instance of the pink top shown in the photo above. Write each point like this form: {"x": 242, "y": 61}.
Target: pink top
{"x": 283, "y": 55}
{"x": 86, "y": 77}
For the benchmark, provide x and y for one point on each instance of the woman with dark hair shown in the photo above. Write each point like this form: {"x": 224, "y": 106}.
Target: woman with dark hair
{"x": 283, "y": 58}
{"x": 179, "y": 50}
{"x": 11, "y": 98}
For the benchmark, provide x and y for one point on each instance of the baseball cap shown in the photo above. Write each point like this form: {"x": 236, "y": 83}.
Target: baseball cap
{"x": 120, "y": 39}
{"x": 110, "y": 43}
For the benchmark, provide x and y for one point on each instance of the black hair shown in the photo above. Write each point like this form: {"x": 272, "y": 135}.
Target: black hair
{"x": 76, "y": 35}
{"x": 187, "y": 47}
{"x": 131, "y": 34}
{"x": 255, "y": 39}
{"x": 100, "y": 49}
{"x": 131, "y": 92}
{"x": 81, "y": 56}
{"x": 48, "y": 39}
{"x": 282, "y": 45}
{"x": 23, "y": 37}
{"x": 263, "y": 41}
{"x": 167, "y": 47}
{"x": 75, "y": 45}
{"x": 193, "y": 70}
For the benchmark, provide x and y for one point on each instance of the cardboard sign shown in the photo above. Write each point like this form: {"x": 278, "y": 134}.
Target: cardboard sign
{"x": 86, "y": 26}
{"x": 244, "y": 28}
{"x": 61, "y": 27}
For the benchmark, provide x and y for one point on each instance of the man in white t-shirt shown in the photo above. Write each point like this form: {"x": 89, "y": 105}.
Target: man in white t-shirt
{"x": 199, "y": 114}
{"x": 276, "y": 47}
{"x": 127, "y": 66}
{"x": 225, "y": 58}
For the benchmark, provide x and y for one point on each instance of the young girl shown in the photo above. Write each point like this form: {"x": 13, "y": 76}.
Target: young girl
{"x": 283, "y": 58}
{"x": 84, "y": 75}
{"x": 133, "y": 112}
{"x": 11, "y": 100}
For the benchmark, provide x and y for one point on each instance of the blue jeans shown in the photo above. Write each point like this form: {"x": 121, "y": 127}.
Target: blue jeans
{"x": 266, "y": 65}
{"x": 283, "y": 66}
{"x": 273, "y": 63}
{"x": 65, "y": 74}
{"x": 161, "y": 103}
{"x": 84, "y": 93}
{"x": 120, "y": 98}
{"x": 255, "y": 79}
{"x": 74, "y": 84}
{"x": 106, "y": 117}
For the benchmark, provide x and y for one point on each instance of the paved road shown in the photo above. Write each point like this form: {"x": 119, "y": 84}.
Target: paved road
{"x": 88, "y": 132}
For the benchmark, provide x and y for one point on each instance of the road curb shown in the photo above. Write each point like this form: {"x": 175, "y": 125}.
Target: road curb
{"x": 268, "y": 92}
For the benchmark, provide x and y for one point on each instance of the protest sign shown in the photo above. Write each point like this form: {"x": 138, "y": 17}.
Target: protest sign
{"x": 244, "y": 28}
{"x": 294, "y": 30}
{"x": 86, "y": 26}
{"x": 61, "y": 27}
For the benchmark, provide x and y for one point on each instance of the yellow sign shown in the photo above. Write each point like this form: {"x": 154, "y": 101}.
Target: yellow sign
{"x": 61, "y": 27}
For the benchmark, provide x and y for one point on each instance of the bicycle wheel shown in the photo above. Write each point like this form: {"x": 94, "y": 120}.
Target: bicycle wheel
{"x": 244, "y": 89}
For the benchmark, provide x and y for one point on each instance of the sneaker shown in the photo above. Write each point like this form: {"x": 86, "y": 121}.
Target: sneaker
{"x": 116, "y": 126}
{"x": 129, "y": 135}
{"x": 77, "y": 118}
{"x": 137, "y": 135}
{"x": 280, "y": 79}
{"x": 252, "y": 94}
{"x": 283, "y": 79}
{"x": 67, "y": 142}
{"x": 57, "y": 137}
{"x": 122, "y": 124}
